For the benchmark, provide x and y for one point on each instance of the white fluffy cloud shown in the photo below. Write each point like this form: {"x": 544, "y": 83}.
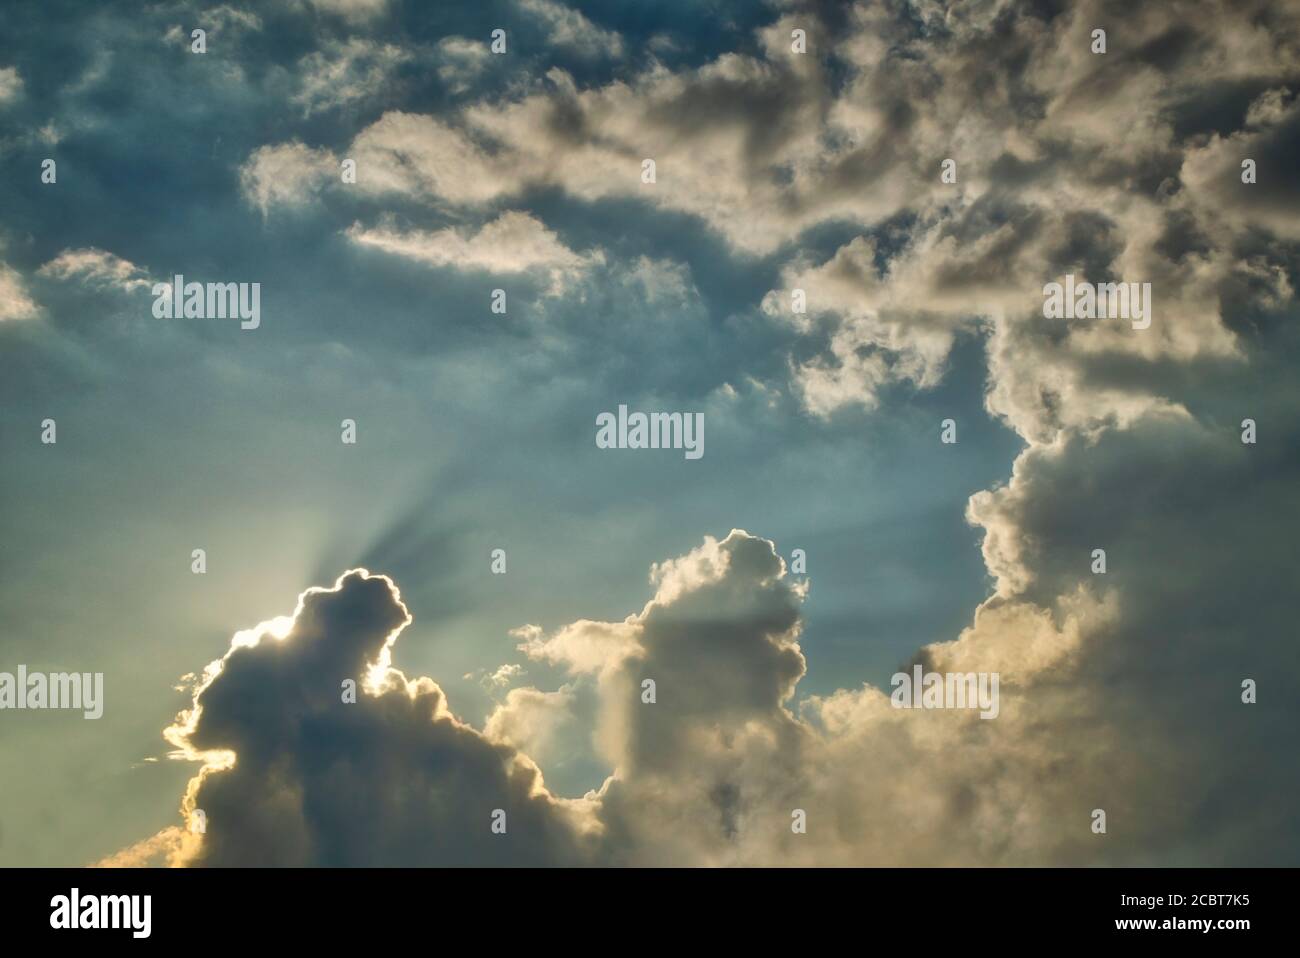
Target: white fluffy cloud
{"x": 567, "y": 27}
{"x": 11, "y": 84}
{"x": 15, "y": 303}
{"x": 345, "y": 72}
{"x": 288, "y": 175}
{"x": 358, "y": 11}
{"x": 514, "y": 242}
{"x": 98, "y": 267}
{"x": 1054, "y": 189}
{"x": 531, "y": 720}
{"x": 711, "y": 771}
{"x": 1052, "y": 163}
{"x": 461, "y": 61}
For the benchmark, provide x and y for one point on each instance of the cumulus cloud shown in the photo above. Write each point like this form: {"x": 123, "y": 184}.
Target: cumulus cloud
{"x": 357, "y": 11}
{"x": 11, "y": 85}
{"x": 1060, "y": 168}
{"x": 567, "y": 27}
{"x": 461, "y": 61}
{"x": 514, "y": 242}
{"x": 289, "y": 175}
{"x": 345, "y": 72}
{"x": 215, "y": 21}
{"x": 731, "y": 169}
{"x": 223, "y": 17}
{"x": 1212, "y": 170}
{"x": 97, "y": 267}
{"x": 500, "y": 678}
{"x": 294, "y": 774}
{"x": 408, "y": 153}
{"x": 712, "y": 766}
{"x": 661, "y": 281}
{"x": 531, "y": 720}
{"x": 15, "y": 303}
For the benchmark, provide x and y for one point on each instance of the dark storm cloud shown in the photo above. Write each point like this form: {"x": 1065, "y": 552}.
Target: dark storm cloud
{"x": 394, "y": 778}
{"x": 1187, "y": 516}
{"x": 1109, "y": 702}
{"x": 390, "y": 779}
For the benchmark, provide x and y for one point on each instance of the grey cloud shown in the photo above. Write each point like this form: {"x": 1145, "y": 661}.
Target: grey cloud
{"x": 11, "y": 84}
{"x": 393, "y": 778}
{"x": 99, "y": 267}
{"x": 15, "y": 301}
{"x": 1101, "y": 686}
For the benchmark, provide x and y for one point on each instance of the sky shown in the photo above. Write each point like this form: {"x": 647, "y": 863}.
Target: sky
{"x": 837, "y": 262}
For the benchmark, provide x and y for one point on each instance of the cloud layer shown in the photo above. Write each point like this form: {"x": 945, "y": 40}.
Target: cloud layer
{"x": 711, "y": 766}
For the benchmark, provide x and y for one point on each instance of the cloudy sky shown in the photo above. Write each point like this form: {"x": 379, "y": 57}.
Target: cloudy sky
{"x": 786, "y": 165}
